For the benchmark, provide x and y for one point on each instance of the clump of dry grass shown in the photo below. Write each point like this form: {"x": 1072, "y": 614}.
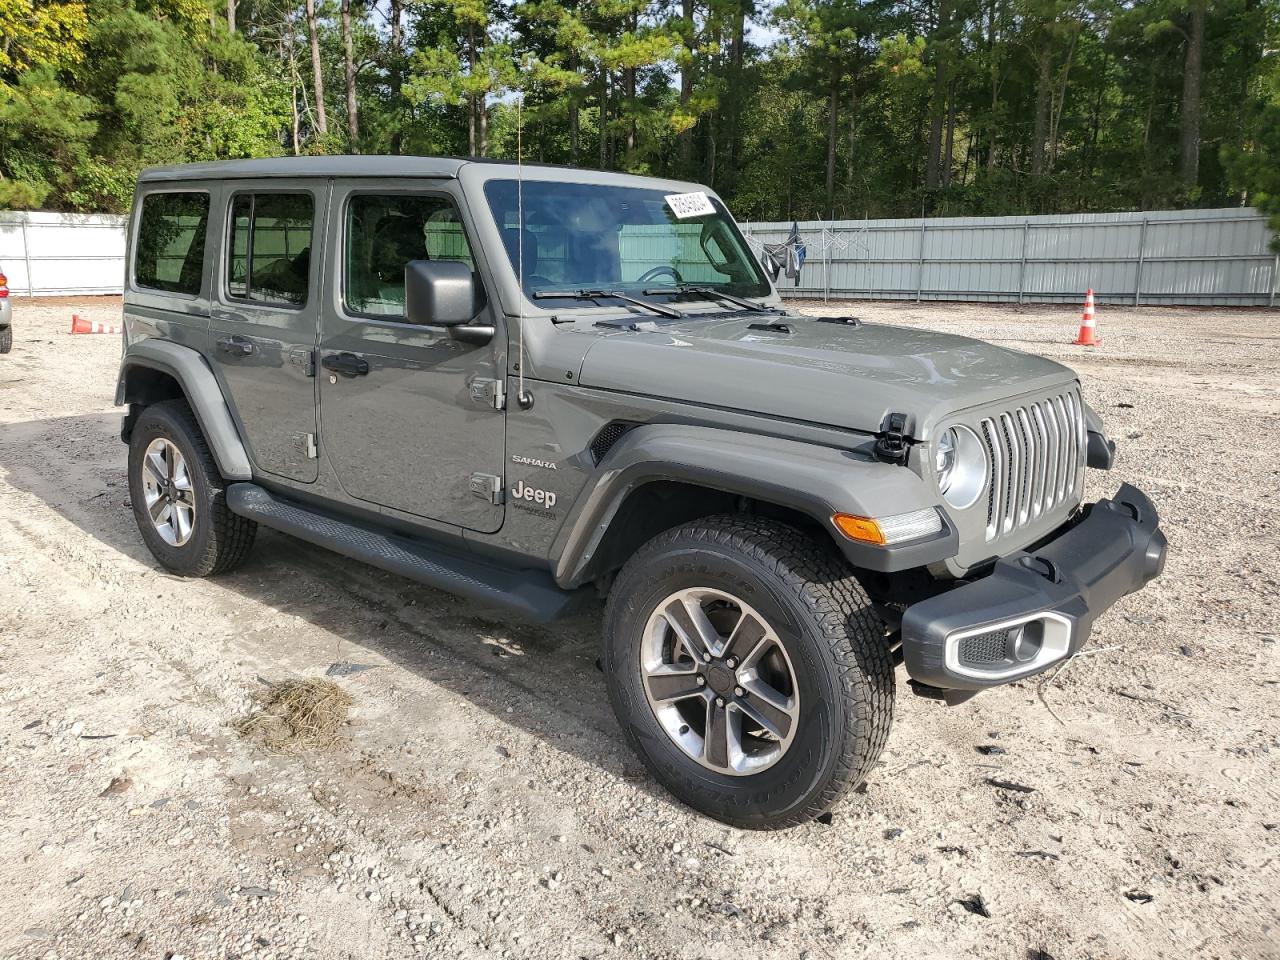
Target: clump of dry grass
{"x": 296, "y": 715}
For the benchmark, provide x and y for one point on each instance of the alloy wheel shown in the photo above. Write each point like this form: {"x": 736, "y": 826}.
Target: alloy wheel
{"x": 168, "y": 491}
{"x": 719, "y": 681}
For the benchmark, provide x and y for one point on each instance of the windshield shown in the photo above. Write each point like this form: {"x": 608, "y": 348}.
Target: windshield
{"x": 581, "y": 236}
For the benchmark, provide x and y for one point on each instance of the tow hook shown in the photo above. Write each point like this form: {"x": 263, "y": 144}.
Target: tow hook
{"x": 893, "y": 442}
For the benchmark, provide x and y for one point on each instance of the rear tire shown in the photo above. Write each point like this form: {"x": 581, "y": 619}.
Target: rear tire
{"x": 6, "y": 339}
{"x": 804, "y": 724}
{"x": 179, "y": 497}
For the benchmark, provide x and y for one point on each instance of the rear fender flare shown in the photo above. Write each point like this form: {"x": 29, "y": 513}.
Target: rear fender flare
{"x": 815, "y": 480}
{"x": 201, "y": 389}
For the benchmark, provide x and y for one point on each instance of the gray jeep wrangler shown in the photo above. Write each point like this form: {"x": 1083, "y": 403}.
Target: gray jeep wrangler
{"x": 529, "y": 385}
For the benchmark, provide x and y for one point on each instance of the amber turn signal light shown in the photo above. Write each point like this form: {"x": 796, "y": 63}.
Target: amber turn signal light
{"x": 863, "y": 529}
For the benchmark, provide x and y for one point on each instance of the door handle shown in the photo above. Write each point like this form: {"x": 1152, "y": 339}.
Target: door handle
{"x": 347, "y": 364}
{"x": 236, "y": 346}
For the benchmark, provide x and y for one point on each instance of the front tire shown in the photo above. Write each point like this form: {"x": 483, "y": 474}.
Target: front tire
{"x": 179, "y": 497}
{"x": 748, "y": 670}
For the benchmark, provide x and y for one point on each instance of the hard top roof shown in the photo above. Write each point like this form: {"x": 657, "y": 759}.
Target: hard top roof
{"x": 366, "y": 166}
{"x": 339, "y": 166}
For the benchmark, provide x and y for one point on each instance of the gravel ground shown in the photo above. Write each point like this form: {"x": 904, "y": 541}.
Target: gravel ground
{"x": 482, "y": 802}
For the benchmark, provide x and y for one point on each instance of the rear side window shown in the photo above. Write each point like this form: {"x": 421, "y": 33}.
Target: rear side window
{"x": 385, "y": 232}
{"x": 170, "y": 247}
{"x": 269, "y": 255}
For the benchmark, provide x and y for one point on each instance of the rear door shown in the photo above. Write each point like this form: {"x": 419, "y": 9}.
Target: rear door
{"x": 264, "y": 318}
{"x": 411, "y": 417}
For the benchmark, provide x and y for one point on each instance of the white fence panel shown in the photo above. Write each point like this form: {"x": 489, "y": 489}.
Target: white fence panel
{"x": 52, "y": 254}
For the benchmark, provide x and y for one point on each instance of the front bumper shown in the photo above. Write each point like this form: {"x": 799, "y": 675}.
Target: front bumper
{"x": 1036, "y": 607}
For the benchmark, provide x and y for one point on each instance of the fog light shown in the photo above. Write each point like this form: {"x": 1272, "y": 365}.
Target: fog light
{"x": 884, "y": 531}
{"x": 1027, "y": 645}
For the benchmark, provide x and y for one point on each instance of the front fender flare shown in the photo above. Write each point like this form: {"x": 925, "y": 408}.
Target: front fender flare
{"x": 815, "y": 480}
{"x": 201, "y": 389}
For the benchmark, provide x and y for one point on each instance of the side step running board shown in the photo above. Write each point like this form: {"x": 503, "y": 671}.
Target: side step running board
{"x": 531, "y": 594}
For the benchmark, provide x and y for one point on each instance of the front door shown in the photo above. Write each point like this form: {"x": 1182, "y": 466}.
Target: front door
{"x": 265, "y": 320}
{"x": 408, "y": 418}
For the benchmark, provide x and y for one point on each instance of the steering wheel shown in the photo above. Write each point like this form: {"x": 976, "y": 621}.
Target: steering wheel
{"x": 662, "y": 270}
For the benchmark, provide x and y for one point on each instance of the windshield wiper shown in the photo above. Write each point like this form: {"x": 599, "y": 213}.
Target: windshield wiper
{"x": 712, "y": 293}
{"x": 659, "y": 309}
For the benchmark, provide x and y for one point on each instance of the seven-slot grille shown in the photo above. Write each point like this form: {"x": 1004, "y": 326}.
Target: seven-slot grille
{"x": 1036, "y": 453}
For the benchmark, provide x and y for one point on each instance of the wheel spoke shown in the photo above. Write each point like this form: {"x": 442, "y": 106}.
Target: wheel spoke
{"x": 747, "y": 639}
{"x": 159, "y": 509}
{"x": 182, "y": 515}
{"x": 668, "y": 683}
{"x": 156, "y": 466}
{"x": 715, "y": 743}
{"x": 692, "y": 626}
{"x": 181, "y": 476}
{"x": 767, "y": 707}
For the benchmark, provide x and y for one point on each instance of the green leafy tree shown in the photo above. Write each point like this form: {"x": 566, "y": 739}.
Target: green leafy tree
{"x": 466, "y": 67}
{"x": 45, "y": 131}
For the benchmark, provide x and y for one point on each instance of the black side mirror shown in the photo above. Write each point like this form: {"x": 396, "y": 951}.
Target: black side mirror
{"x": 441, "y": 293}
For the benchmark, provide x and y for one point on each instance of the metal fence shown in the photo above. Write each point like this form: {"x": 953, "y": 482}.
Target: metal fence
{"x": 51, "y": 254}
{"x": 1190, "y": 257}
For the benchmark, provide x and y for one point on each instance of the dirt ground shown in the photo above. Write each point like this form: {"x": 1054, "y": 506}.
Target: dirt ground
{"x": 483, "y": 803}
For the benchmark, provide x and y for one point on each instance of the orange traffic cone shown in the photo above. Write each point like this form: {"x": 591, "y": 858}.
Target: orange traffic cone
{"x": 1088, "y": 325}
{"x": 91, "y": 326}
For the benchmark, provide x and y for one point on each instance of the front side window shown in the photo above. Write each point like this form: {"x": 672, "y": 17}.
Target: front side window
{"x": 269, "y": 251}
{"x": 580, "y": 236}
{"x": 385, "y": 232}
{"x": 170, "y": 247}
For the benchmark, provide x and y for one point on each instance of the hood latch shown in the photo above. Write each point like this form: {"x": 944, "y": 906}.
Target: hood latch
{"x": 893, "y": 442}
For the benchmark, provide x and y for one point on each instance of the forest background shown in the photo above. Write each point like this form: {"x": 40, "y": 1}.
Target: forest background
{"x": 801, "y": 109}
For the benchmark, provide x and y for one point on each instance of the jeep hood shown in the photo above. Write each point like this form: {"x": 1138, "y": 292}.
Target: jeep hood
{"x": 821, "y": 372}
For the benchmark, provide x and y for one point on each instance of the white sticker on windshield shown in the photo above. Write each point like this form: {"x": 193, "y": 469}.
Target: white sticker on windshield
{"x": 685, "y": 205}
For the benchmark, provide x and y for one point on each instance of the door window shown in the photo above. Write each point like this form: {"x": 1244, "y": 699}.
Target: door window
{"x": 383, "y": 234}
{"x": 269, "y": 251}
{"x": 170, "y": 248}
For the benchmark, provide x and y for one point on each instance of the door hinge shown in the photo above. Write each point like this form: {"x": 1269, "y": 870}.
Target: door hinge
{"x": 305, "y": 444}
{"x": 492, "y": 392}
{"x": 305, "y": 358}
{"x": 487, "y": 487}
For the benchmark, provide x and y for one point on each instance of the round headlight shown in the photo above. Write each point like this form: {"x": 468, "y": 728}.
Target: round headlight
{"x": 960, "y": 465}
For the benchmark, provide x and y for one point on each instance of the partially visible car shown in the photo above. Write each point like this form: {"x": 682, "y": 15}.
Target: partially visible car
{"x": 6, "y": 314}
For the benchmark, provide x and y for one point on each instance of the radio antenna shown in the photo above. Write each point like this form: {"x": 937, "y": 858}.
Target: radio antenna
{"x": 522, "y": 396}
